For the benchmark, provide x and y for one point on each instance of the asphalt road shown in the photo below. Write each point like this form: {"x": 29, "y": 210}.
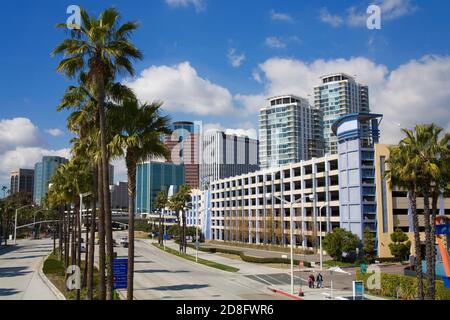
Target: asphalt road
{"x": 19, "y": 267}
{"x": 160, "y": 275}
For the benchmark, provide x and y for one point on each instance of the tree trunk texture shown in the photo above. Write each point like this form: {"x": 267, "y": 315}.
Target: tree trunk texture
{"x": 101, "y": 237}
{"x": 93, "y": 227}
{"x": 418, "y": 249}
{"x": 131, "y": 165}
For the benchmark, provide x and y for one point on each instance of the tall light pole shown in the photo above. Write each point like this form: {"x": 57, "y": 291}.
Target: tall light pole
{"x": 82, "y": 196}
{"x": 291, "y": 204}
{"x": 320, "y": 236}
{"x": 34, "y": 218}
{"x": 15, "y": 220}
{"x": 196, "y": 229}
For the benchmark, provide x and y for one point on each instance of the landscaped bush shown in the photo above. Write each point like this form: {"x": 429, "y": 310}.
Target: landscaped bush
{"x": 268, "y": 247}
{"x": 250, "y": 259}
{"x": 389, "y": 260}
{"x": 403, "y": 286}
{"x": 53, "y": 266}
{"x": 142, "y": 225}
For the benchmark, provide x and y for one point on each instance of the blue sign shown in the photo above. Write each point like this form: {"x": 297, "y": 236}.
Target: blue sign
{"x": 166, "y": 237}
{"x": 447, "y": 282}
{"x": 443, "y": 229}
{"x": 358, "y": 290}
{"x": 120, "y": 270}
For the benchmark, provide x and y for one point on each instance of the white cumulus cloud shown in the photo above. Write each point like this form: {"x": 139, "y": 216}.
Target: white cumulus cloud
{"x": 55, "y": 132}
{"x": 275, "y": 42}
{"x": 356, "y": 16}
{"x": 279, "y": 16}
{"x": 22, "y": 146}
{"x": 182, "y": 90}
{"x": 333, "y": 20}
{"x": 18, "y": 132}
{"x": 199, "y": 5}
{"x": 234, "y": 58}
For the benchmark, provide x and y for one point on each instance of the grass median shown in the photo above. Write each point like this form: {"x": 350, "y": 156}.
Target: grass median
{"x": 204, "y": 262}
{"x": 54, "y": 271}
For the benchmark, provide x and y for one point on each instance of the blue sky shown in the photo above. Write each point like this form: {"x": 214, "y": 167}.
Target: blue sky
{"x": 190, "y": 47}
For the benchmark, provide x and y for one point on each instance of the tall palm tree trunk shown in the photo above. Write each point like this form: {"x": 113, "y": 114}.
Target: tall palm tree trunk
{"x": 131, "y": 166}
{"x": 73, "y": 252}
{"x": 66, "y": 237}
{"x": 418, "y": 249}
{"x": 61, "y": 231}
{"x": 428, "y": 241}
{"x": 434, "y": 211}
{"x": 86, "y": 255}
{"x": 101, "y": 237}
{"x": 78, "y": 239}
{"x": 93, "y": 227}
{"x": 105, "y": 186}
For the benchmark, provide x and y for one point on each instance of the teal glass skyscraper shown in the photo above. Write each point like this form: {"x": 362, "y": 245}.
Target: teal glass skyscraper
{"x": 43, "y": 173}
{"x": 154, "y": 177}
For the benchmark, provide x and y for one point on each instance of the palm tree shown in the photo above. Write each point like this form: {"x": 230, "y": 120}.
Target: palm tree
{"x": 178, "y": 204}
{"x": 160, "y": 204}
{"x": 402, "y": 174}
{"x": 101, "y": 49}
{"x": 84, "y": 123}
{"x": 139, "y": 130}
{"x": 428, "y": 156}
{"x": 4, "y": 188}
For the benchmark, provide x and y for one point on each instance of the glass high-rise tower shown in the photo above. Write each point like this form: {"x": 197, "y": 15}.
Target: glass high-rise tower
{"x": 285, "y": 131}
{"x": 43, "y": 173}
{"x": 338, "y": 95}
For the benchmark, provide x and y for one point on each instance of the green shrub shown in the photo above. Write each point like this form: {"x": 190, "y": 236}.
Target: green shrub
{"x": 250, "y": 259}
{"x": 404, "y": 286}
{"x": 53, "y": 266}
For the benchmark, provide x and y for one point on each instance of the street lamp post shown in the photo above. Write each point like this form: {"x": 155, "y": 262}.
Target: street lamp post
{"x": 34, "y": 220}
{"x": 291, "y": 204}
{"x": 320, "y": 236}
{"x": 196, "y": 230}
{"x": 15, "y": 220}
{"x": 82, "y": 196}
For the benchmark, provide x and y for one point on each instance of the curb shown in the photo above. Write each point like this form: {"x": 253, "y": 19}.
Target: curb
{"x": 48, "y": 283}
{"x": 285, "y": 294}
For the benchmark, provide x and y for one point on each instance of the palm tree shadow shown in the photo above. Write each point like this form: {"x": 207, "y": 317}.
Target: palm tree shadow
{"x": 180, "y": 287}
{"x": 12, "y": 272}
{"x": 7, "y": 292}
{"x": 160, "y": 271}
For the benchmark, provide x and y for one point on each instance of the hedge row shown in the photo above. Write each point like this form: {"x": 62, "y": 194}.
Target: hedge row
{"x": 267, "y": 247}
{"x": 403, "y": 286}
{"x": 250, "y": 259}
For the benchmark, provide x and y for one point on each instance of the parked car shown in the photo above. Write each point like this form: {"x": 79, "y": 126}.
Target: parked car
{"x": 124, "y": 242}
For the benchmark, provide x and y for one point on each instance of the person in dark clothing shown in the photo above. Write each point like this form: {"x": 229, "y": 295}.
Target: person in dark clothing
{"x": 319, "y": 281}
{"x": 311, "y": 281}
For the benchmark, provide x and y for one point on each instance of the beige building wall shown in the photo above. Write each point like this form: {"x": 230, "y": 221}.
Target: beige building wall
{"x": 395, "y": 201}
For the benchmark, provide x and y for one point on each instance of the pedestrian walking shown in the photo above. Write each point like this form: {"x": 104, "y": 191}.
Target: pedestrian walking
{"x": 319, "y": 281}
{"x": 311, "y": 281}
